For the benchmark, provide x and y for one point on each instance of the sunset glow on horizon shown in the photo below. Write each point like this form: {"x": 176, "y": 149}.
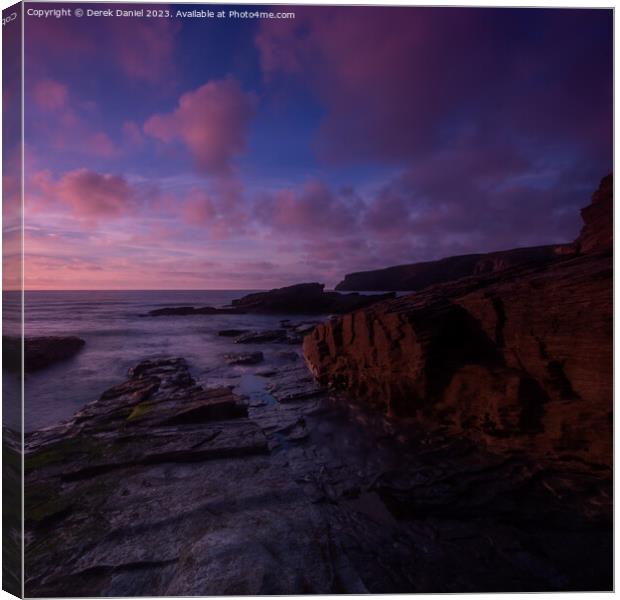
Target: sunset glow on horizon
{"x": 252, "y": 154}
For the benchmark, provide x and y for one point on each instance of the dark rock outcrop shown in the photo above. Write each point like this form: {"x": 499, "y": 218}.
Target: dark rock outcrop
{"x": 231, "y": 332}
{"x": 183, "y": 311}
{"x": 305, "y": 298}
{"x": 267, "y": 336}
{"x": 519, "y": 359}
{"x": 302, "y": 299}
{"x": 417, "y": 276}
{"x": 39, "y": 352}
{"x": 246, "y": 358}
{"x": 597, "y": 232}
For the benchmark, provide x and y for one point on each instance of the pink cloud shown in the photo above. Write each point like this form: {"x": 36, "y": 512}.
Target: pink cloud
{"x": 314, "y": 208}
{"x": 100, "y": 144}
{"x": 220, "y": 213}
{"x": 72, "y": 128}
{"x": 50, "y": 95}
{"x": 211, "y": 121}
{"x": 199, "y": 208}
{"x": 94, "y": 195}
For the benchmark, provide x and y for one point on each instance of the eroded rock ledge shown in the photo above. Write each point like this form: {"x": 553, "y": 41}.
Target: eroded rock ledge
{"x": 520, "y": 360}
{"x": 163, "y": 487}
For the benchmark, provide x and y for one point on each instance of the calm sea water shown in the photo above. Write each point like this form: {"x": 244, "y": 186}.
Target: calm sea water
{"x": 117, "y": 338}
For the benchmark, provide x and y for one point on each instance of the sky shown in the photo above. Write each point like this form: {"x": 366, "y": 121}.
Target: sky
{"x": 188, "y": 153}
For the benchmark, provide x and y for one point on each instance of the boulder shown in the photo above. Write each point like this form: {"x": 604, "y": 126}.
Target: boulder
{"x": 39, "y": 352}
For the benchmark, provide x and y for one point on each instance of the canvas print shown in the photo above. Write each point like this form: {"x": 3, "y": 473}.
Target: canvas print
{"x": 306, "y": 299}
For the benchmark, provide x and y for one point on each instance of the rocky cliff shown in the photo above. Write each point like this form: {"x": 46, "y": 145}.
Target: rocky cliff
{"x": 597, "y": 232}
{"x": 421, "y": 275}
{"x": 519, "y": 359}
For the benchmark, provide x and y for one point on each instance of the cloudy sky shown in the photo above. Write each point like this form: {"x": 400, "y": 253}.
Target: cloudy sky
{"x": 245, "y": 154}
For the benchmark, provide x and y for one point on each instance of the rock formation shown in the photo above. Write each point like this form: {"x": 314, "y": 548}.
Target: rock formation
{"x": 165, "y": 487}
{"x": 183, "y": 311}
{"x": 245, "y": 358}
{"x": 301, "y": 299}
{"x": 519, "y": 359}
{"x": 493, "y": 474}
{"x": 417, "y": 276}
{"x": 305, "y": 298}
{"x": 39, "y": 352}
{"x": 597, "y": 232}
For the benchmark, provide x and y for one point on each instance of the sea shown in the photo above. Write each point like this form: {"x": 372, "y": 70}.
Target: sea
{"x": 118, "y": 335}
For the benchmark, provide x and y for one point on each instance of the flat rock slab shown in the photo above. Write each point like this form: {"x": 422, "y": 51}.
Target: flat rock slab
{"x": 179, "y": 529}
{"x": 294, "y": 496}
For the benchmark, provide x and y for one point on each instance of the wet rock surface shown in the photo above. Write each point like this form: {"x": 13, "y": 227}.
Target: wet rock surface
{"x": 165, "y": 487}
{"x": 39, "y": 352}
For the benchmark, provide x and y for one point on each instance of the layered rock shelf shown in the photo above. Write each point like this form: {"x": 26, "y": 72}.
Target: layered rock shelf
{"x": 519, "y": 359}
{"x": 166, "y": 487}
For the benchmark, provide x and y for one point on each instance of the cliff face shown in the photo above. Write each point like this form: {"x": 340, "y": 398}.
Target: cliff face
{"x": 517, "y": 359}
{"x": 597, "y": 232}
{"x": 421, "y": 275}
